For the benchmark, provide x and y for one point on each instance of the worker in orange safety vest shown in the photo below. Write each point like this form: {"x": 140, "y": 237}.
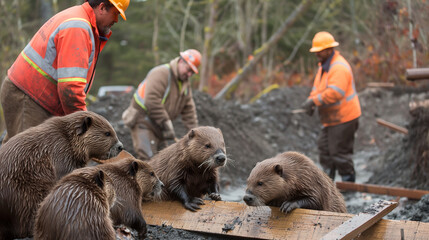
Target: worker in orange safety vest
{"x": 161, "y": 97}
{"x": 335, "y": 96}
{"x": 55, "y": 71}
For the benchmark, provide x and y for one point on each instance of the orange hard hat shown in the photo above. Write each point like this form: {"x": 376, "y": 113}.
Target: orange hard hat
{"x": 323, "y": 40}
{"x": 192, "y": 57}
{"x": 121, "y": 5}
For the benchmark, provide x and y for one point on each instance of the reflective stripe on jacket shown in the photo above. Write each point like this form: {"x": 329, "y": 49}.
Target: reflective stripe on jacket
{"x": 57, "y": 66}
{"x": 334, "y": 93}
{"x": 162, "y": 96}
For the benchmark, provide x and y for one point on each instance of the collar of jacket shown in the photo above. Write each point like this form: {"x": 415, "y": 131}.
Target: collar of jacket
{"x": 173, "y": 67}
{"x": 327, "y": 63}
{"x": 183, "y": 85}
{"x": 92, "y": 20}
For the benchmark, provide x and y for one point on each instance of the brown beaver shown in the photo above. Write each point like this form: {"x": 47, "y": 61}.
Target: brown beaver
{"x": 291, "y": 180}
{"x": 189, "y": 167}
{"x": 133, "y": 180}
{"x": 33, "y": 160}
{"x": 77, "y": 208}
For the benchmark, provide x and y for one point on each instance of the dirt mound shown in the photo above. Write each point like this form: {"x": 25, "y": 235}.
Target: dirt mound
{"x": 407, "y": 163}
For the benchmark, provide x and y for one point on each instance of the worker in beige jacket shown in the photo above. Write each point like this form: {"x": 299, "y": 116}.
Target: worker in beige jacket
{"x": 161, "y": 97}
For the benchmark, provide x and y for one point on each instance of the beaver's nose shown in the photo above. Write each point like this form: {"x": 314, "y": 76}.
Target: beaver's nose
{"x": 221, "y": 158}
{"x": 248, "y": 199}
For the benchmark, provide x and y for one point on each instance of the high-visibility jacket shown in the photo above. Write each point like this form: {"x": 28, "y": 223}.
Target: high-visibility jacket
{"x": 163, "y": 96}
{"x": 334, "y": 93}
{"x": 56, "y": 68}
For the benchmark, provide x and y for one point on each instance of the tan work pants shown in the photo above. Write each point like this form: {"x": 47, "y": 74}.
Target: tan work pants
{"x": 145, "y": 142}
{"x": 20, "y": 111}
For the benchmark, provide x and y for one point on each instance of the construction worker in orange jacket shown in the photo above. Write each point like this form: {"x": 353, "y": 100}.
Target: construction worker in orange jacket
{"x": 160, "y": 98}
{"x": 335, "y": 96}
{"x": 54, "y": 72}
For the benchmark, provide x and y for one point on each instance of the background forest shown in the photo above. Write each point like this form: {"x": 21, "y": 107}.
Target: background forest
{"x": 255, "y": 43}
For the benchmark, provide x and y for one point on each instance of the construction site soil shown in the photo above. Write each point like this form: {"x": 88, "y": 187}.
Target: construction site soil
{"x": 259, "y": 130}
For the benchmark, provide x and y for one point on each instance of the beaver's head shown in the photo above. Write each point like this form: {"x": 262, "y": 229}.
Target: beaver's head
{"x": 92, "y": 135}
{"x": 147, "y": 179}
{"x": 266, "y": 183}
{"x": 206, "y": 147}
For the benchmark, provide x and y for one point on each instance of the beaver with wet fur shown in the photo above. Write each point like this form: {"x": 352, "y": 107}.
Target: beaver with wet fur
{"x": 34, "y": 160}
{"x": 77, "y": 208}
{"x": 189, "y": 167}
{"x": 291, "y": 180}
{"x": 133, "y": 181}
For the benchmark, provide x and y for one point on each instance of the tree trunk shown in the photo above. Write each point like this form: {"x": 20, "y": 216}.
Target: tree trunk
{"x": 260, "y": 52}
{"x": 207, "y": 54}
{"x": 155, "y": 47}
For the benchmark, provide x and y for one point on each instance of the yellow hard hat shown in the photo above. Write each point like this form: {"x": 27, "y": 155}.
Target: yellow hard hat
{"x": 323, "y": 40}
{"x": 193, "y": 58}
{"x": 121, "y": 5}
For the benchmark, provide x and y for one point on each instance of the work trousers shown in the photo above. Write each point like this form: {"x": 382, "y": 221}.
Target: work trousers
{"x": 146, "y": 142}
{"x": 20, "y": 111}
{"x": 335, "y": 145}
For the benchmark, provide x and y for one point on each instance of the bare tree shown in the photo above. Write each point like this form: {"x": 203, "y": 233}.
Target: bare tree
{"x": 208, "y": 37}
{"x": 258, "y": 53}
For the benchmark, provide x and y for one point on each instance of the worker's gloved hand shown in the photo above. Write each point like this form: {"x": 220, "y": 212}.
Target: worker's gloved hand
{"x": 168, "y": 130}
{"x": 308, "y": 106}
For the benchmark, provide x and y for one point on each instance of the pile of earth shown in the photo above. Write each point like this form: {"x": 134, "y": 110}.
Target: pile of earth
{"x": 259, "y": 130}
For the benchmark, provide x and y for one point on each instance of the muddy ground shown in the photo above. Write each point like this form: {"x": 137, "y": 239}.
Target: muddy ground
{"x": 260, "y": 130}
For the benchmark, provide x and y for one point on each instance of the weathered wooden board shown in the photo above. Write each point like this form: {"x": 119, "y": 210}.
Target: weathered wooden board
{"x": 361, "y": 222}
{"x": 269, "y": 222}
{"x": 383, "y": 190}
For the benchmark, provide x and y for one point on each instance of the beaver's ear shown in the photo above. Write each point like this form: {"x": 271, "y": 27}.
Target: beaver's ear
{"x": 133, "y": 168}
{"x": 84, "y": 126}
{"x": 99, "y": 179}
{"x": 191, "y": 134}
{"x": 279, "y": 170}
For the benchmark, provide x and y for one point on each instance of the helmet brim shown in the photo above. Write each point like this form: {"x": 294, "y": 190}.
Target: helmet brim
{"x": 193, "y": 67}
{"x": 119, "y": 10}
{"x": 318, "y": 49}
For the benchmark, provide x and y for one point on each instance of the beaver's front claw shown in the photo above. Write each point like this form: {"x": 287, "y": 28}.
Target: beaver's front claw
{"x": 197, "y": 200}
{"x": 192, "y": 206}
{"x": 215, "y": 196}
{"x": 287, "y": 207}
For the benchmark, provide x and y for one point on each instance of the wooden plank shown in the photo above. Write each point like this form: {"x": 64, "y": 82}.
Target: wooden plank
{"x": 261, "y": 222}
{"x": 380, "y": 84}
{"x": 392, "y": 126}
{"x": 383, "y": 190}
{"x": 361, "y": 222}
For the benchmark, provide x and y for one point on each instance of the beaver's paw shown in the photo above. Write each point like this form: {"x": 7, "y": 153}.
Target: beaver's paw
{"x": 197, "y": 200}
{"x": 192, "y": 206}
{"x": 215, "y": 196}
{"x": 287, "y": 207}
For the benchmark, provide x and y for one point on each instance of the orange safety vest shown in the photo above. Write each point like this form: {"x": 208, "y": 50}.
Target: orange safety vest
{"x": 57, "y": 66}
{"x": 334, "y": 93}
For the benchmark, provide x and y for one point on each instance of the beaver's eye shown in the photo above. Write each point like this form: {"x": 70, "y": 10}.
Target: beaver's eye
{"x": 107, "y": 134}
{"x": 208, "y": 145}
{"x": 152, "y": 174}
{"x": 260, "y": 183}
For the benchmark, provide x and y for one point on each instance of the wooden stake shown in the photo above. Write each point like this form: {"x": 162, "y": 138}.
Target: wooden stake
{"x": 392, "y": 126}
